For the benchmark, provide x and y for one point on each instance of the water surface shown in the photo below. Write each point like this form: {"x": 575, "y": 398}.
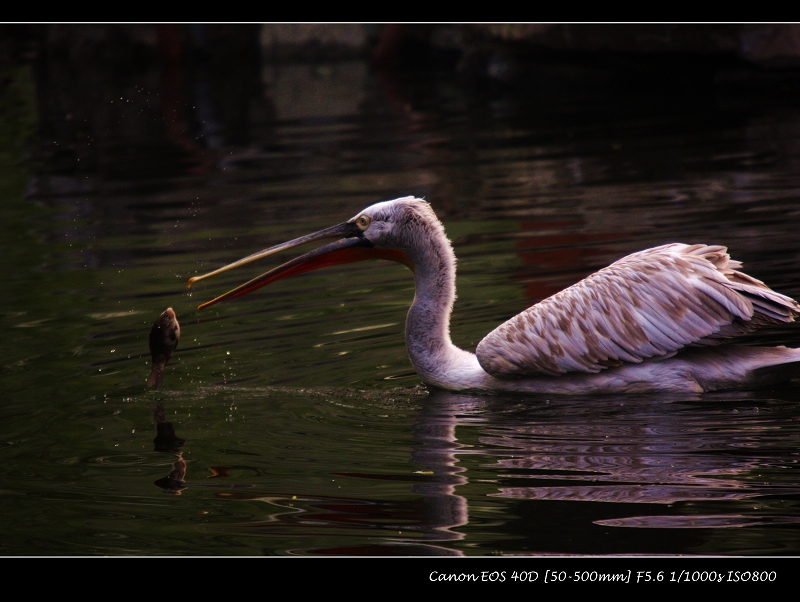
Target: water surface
{"x": 291, "y": 422}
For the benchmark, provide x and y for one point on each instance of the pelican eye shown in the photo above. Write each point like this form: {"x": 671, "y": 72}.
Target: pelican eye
{"x": 363, "y": 222}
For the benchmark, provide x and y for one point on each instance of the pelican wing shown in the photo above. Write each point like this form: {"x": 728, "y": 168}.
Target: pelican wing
{"x": 648, "y": 304}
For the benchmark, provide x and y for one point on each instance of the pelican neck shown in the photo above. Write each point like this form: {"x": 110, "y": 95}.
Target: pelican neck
{"x": 434, "y": 356}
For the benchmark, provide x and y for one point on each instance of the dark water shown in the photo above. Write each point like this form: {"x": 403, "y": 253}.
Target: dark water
{"x": 291, "y": 422}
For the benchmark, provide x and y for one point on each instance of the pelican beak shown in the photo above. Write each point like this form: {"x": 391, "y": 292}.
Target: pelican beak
{"x": 351, "y": 247}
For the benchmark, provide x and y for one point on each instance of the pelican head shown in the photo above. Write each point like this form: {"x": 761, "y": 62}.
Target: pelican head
{"x": 392, "y": 230}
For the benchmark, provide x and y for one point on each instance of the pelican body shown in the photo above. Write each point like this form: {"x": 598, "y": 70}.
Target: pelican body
{"x": 651, "y": 321}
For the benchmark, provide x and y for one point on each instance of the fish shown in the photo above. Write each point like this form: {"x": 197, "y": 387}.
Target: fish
{"x": 164, "y": 337}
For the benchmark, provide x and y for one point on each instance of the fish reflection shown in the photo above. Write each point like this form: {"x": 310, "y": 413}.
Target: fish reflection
{"x": 168, "y": 442}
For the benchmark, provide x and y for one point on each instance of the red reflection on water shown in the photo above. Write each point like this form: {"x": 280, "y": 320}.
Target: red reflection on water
{"x": 551, "y": 253}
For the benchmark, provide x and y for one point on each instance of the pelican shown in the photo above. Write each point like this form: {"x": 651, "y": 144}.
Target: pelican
{"x": 651, "y": 321}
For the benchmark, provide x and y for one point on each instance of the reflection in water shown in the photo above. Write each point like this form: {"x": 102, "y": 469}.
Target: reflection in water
{"x": 640, "y": 451}
{"x": 633, "y": 462}
{"x": 416, "y": 527}
{"x": 420, "y": 526}
{"x": 168, "y": 442}
{"x": 623, "y": 451}
{"x": 436, "y": 449}
{"x": 700, "y": 521}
